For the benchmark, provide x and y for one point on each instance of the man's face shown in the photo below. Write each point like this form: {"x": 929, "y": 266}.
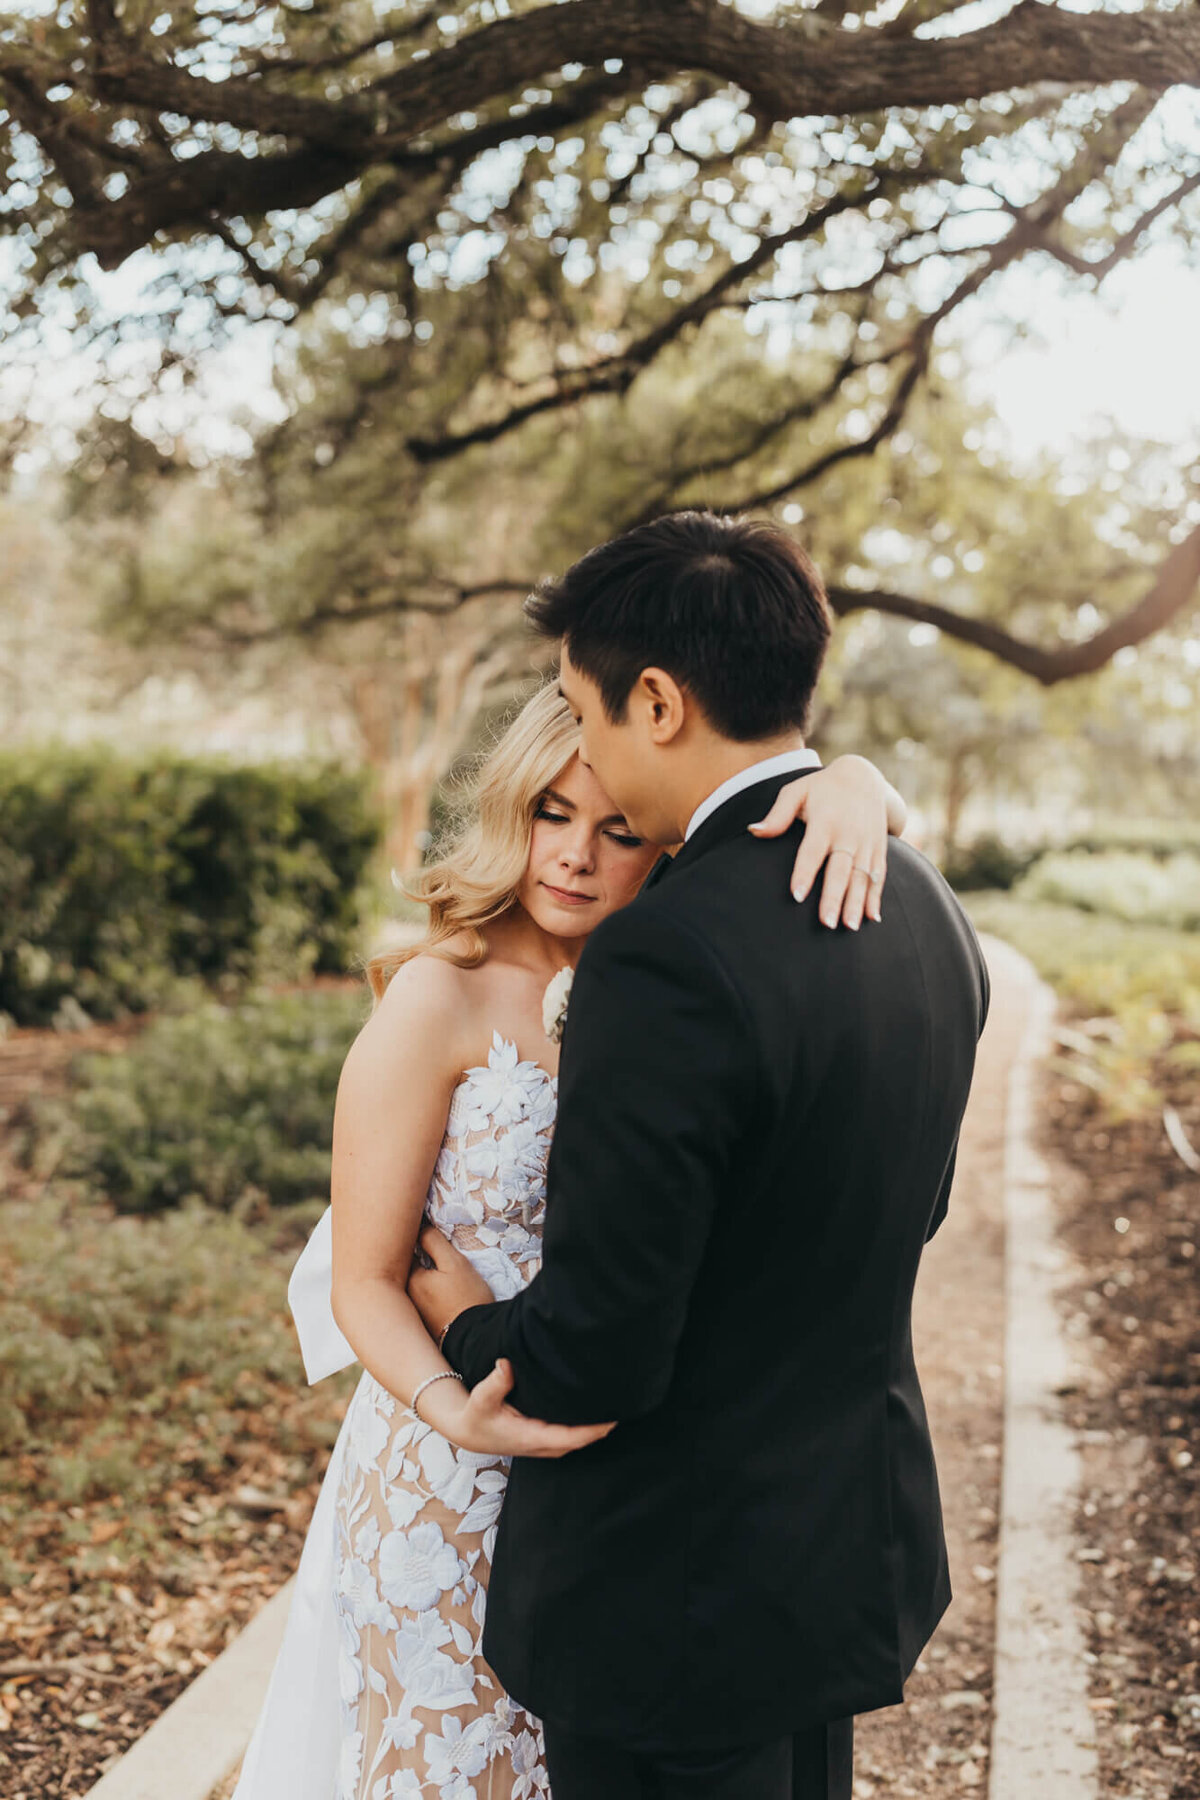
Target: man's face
{"x": 621, "y": 756}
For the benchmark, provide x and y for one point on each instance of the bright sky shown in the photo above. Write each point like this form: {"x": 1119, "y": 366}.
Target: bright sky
{"x": 1130, "y": 353}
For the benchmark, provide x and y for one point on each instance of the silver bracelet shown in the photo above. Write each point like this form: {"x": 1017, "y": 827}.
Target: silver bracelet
{"x": 442, "y": 1375}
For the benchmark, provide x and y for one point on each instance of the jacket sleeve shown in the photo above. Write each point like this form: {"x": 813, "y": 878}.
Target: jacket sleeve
{"x": 985, "y": 985}
{"x": 942, "y": 1204}
{"x": 658, "y": 1084}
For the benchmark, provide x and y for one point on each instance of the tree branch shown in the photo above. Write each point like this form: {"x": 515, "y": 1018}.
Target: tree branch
{"x": 795, "y": 69}
{"x": 1173, "y": 589}
{"x": 1128, "y": 240}
{"x": 456, "y": 597}
{"x": 616, "y": 373}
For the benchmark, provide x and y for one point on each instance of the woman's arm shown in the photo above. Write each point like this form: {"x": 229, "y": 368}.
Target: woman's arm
{"x": 849, "y": 810}
{"x": 389, "y": 1122}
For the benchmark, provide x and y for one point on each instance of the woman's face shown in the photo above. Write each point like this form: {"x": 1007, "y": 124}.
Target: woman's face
{"x": 584, "y": 862}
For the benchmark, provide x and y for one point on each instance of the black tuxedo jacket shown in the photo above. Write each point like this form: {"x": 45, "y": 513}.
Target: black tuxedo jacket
{"x": 757, "y": 1128}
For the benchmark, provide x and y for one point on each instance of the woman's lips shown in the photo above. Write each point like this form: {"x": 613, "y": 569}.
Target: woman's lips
{"x": 567, "y": 897}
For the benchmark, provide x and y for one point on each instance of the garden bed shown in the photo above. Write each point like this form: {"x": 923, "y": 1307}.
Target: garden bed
{"x": 1130, "y": 1212}
{"x": 161, "y": 1453}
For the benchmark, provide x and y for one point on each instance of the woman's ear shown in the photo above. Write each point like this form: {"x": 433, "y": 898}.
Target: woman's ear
{"x": 661, "y": 701}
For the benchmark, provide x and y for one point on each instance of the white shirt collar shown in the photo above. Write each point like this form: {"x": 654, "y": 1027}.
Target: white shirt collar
{"x": 786, "y": 763}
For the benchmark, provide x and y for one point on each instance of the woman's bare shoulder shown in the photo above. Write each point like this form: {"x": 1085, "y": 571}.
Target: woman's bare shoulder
{"x": 429, "y": 1010}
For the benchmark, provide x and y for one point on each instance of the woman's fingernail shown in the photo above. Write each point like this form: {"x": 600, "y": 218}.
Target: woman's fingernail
{"x": 757, "y": 827}
{"x": 828, "y": 919}
{"x": 799, "y": 893}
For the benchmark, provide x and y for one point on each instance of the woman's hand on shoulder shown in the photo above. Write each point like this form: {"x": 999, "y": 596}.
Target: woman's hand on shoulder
{"x": 849, "y": 810}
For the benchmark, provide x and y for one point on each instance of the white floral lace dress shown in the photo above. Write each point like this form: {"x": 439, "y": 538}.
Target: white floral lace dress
{"x": 422, "y": 1714}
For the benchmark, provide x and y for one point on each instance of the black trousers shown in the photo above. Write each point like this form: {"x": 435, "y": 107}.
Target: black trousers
{"x": 814, "y": 1764}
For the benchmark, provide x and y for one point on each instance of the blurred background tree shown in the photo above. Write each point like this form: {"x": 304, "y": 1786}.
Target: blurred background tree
{"x": 525, "y": 274}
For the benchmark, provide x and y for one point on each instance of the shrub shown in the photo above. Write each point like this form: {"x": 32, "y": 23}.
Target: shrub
{"x": 1102, "y": 964}
{"x": 987, "y": 863}
{"x": 224, "y": 1106}
{"x": 119, "y": 879}
{"x": 1151, "y": 837}
{"x": 1135, "y": 991}
{"x": 1122, "y": 884}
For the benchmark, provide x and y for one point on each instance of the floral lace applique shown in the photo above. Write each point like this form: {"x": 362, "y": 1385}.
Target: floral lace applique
{"x": 416, "y": 1516}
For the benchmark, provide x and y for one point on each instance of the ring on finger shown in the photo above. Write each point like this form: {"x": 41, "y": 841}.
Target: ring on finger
{"x": 859, "y": 870}
{"x": 875, "y": 876}
{"x": 842, "y": 850}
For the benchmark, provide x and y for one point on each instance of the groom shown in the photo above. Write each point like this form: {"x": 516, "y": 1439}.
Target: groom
{"x": 756, "y": 1137}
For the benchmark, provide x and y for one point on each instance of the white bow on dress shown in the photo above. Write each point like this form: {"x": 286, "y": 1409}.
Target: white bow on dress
{"x": 310, "y": 1291}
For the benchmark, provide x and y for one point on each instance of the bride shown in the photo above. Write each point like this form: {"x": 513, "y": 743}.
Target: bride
{"x": 444, "y": 1114}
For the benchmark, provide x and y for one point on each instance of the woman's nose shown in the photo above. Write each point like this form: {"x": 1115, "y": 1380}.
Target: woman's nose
{"x": 578, "y": 853}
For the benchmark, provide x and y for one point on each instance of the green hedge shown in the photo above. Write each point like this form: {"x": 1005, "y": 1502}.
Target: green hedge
{"x": 121, "y": 878}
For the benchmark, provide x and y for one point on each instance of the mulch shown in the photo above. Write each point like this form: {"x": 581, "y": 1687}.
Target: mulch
{"x": 1130, "y": 1213}
{"x": 87, "y": 1664}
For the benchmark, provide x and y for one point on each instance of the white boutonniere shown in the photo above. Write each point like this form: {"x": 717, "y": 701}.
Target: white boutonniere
{"x": 555, "y": 1001}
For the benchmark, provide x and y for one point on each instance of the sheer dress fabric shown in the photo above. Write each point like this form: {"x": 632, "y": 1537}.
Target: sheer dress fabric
{"x": 415, "y": 1517}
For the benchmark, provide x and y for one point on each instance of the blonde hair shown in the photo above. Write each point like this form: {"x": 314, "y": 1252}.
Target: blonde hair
{"x": 476, "y": 875}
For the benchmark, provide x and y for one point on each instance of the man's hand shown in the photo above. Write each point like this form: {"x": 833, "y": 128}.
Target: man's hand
{"x": 846, "y": 810}
{"x": 441, "y": 1293}
{"x": 481, "y": 1420}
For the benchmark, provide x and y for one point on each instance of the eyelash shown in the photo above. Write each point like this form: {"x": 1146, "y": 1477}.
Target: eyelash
{"x": 627, "y": 841}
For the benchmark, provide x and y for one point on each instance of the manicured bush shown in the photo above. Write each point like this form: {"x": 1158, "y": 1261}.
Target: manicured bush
{"x": 1150, "y": 837}
{"x": 119, "y": 879}
{"x": 228, "y": 1107}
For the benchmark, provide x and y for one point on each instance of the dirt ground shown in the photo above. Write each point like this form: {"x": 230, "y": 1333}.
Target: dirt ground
{"x": 1130, "y": 1212}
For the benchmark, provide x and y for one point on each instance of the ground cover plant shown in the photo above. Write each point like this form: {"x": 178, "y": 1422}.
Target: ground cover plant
{"x": 225, "y": 1105}
{"x": 159, "y": 1457}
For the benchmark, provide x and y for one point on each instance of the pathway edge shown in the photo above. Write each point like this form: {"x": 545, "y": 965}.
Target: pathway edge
{"x": 1043, "y": 1729}
{"x": 194, "y": 1744}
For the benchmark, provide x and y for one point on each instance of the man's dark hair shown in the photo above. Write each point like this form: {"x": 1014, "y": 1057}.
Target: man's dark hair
{"x": 732, "y": 608}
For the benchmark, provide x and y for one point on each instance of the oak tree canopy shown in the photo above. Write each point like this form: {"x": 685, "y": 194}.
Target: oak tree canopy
{"x": 507, "y": 213}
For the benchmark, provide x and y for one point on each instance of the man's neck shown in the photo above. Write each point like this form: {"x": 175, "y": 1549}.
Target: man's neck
{"x": 725, "y": 760}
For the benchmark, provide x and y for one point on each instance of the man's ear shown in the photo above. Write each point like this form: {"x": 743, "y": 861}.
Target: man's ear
{"x": 662, "y": 703}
